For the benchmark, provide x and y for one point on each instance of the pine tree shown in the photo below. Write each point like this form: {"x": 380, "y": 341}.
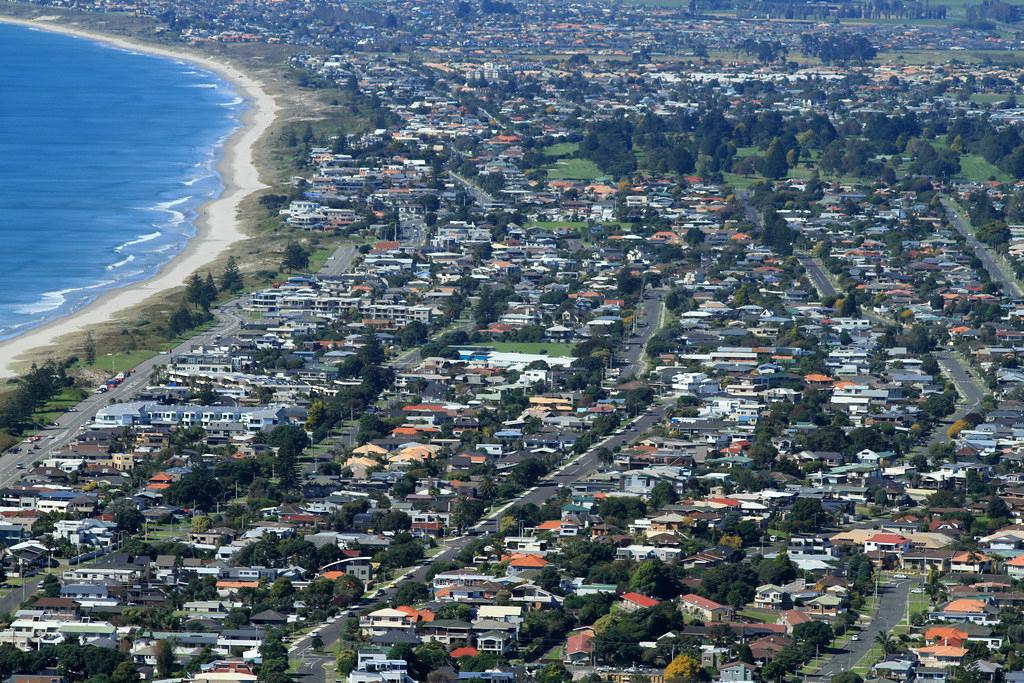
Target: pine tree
{"x": 90, "y": 348}
{"x": 850, "y": 307}
{"x": 209, "y": 292}
{"x": 774, "y": 163}
{"x": 231, "y": 279}
{"x": 194, "y": 289}
{"x": 295, "y": 257}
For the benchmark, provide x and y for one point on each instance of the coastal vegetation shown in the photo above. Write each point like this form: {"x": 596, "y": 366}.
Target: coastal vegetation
{"x": 313, "y": 113}
{"x": 29, "y": 393}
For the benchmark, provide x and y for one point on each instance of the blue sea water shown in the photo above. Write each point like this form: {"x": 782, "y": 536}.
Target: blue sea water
{"x": 105, "y": 156}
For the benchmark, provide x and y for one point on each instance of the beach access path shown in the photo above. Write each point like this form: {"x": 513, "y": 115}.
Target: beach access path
{"x": 217, "y": 225}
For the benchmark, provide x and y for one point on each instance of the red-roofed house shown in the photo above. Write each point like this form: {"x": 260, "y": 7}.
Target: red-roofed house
{"x": 632, "y": 602}
{"x": 792, "y": 618}
{"x": 579, "y": 647}
{"x": 893, "y": 544}
{"x": 525, "y": 563}
{"x": 1015, "y": 567}
{"x": 708, "y": 610}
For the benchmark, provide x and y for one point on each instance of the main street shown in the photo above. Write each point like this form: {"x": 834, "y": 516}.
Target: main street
{"x": 891, "y": 609}
{"x": 69, "y": 424}
{"x": 996, "y": 269}
{"x": 310, "y": 663}
{"x": 819, "y": 280}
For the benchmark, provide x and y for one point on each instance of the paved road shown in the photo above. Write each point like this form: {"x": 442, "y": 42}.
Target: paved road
{"x": 984, "y": 253}
{"x": 965, "y": 382}
{"x": 482, "y": 198}
{"x": 18, "y": 594}
{"x": 71, "y": 423}
{"x": 339, "y": 262}
{"x": 311, "y": 663}
{"x": 893, "y": 602}
{"x": 648, "y": 320}
{"x": 819, "y": 280}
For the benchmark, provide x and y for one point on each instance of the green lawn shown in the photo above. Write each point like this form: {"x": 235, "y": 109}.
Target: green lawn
{"x": 319, "y": 257}
{"x": 559, "y": 225}
{"x": 118, "y": 362}
{"x": 919, "y": 602}
{"x": 553, "y": 349}
{"x": 574, "y": 169}
{"x": 765, "y": 616}
{"x": 562, "y": 149}
{"x": 870, "y": 658}
{"x": 59, "y": 404}
{"x": 556, "y": 225}
{"x": 741, "y": 182}
{"x": 989, "y": 97}
{"x": 976, "y": 167}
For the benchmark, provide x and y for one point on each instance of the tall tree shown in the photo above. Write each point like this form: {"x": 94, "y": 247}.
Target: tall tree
{"x": 296, "y": 258}
{"x": 231, "y": 278}
{"x": 164, "y": 658}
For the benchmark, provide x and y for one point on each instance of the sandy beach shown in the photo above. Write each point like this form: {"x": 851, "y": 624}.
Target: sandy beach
{"x": 217, "y": 225}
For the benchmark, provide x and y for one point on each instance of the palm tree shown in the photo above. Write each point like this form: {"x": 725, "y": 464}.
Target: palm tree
{"x": 888, "y": 644}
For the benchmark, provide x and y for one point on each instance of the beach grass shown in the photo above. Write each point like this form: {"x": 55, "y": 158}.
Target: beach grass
{"x": 141, "y": 331}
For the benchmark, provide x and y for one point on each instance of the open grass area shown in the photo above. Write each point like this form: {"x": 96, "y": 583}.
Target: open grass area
{"x": 562, "y": 149}
{"x": 989, "y": 97}
{"x": 553, "y": 349}
{"x": 765, "y": 616}
{"x": 574, "y": 169}
{"x": 59, "y": 405}
{"x": 976, "y": 167}
{"x": 870, "y": 658}
{"x": 919, "y": 602}
{"x": 120, "y": 361}
{"x": 741, "y": 182}
{"x": 556, "y": 225}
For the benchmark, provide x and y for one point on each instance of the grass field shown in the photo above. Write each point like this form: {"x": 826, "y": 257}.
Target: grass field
{"x": 59, "y": 405}
{"x": 574, "y": 169}
{"x": 741, "y": 182}
{"x": 919, "y": 602}
{"x": 976, "y": 167}
{"x": 765, "y": 616}
{"x": 553, "y": 349}
{"x": 117, "y": 362}
{"x": 989, "y": 97}
{"x": 562, "y": 149}
{"x": 556, "y": 225}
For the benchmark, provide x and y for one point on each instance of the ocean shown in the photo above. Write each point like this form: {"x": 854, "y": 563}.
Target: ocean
{"x": 105, "y": 156}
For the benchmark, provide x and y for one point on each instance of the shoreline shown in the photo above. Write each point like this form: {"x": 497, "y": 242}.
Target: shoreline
{"x": 217, "y": 223}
